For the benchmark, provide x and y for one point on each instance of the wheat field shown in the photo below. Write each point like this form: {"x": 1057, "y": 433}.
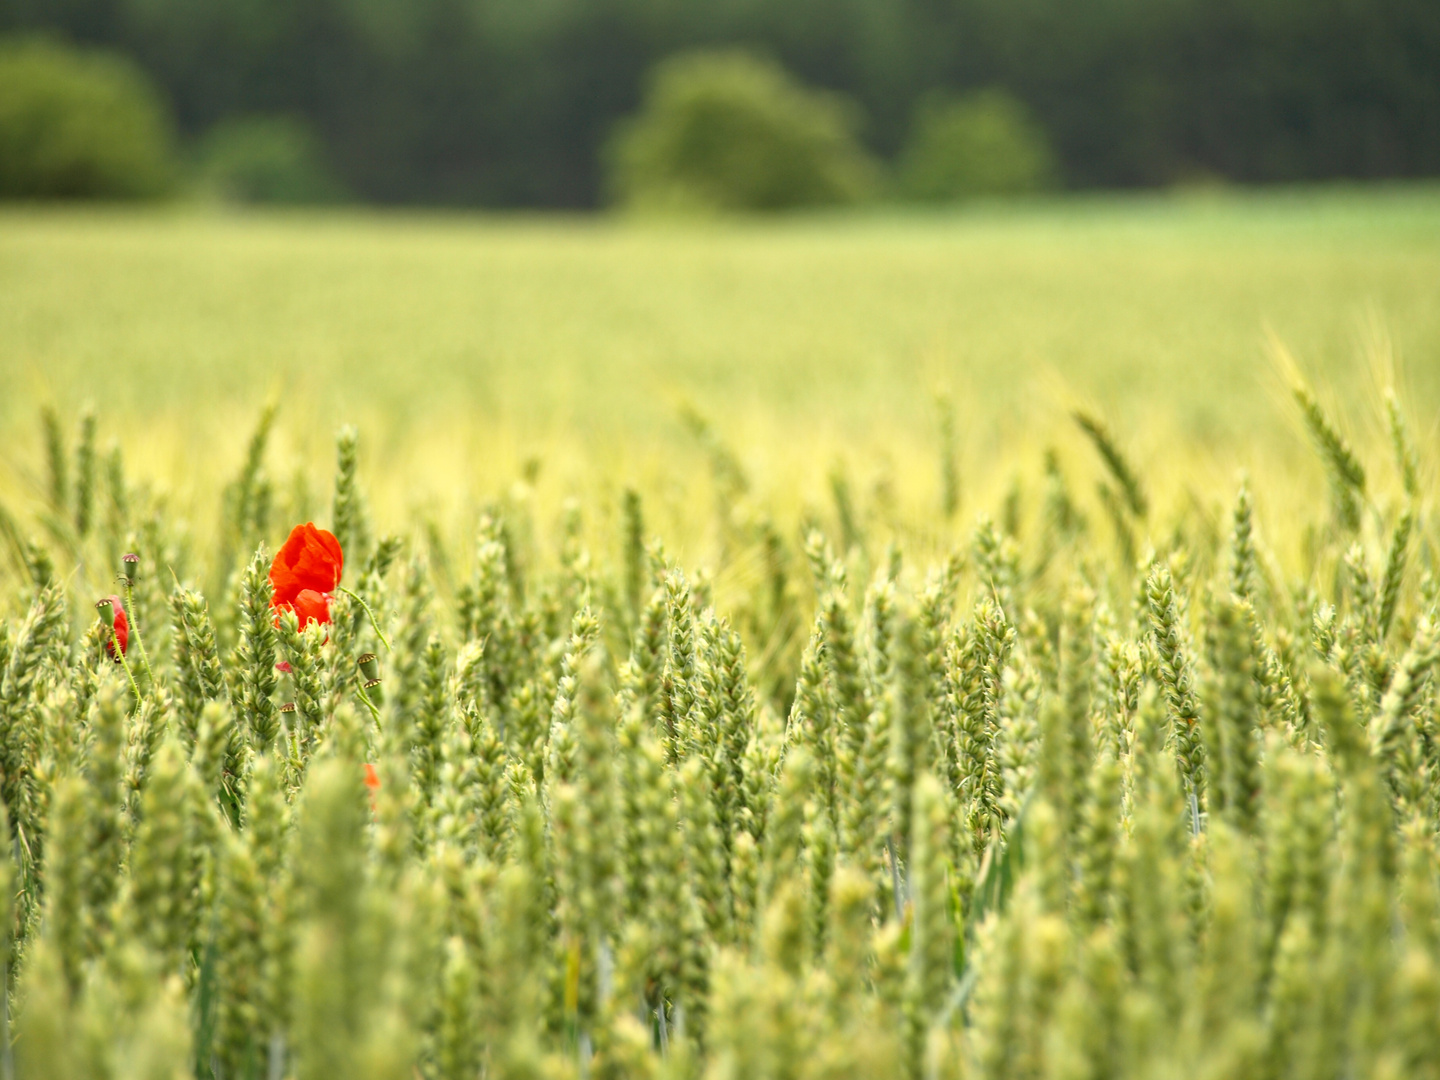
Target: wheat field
{"x": 465, "y": 346}
{"x": 996, "y": 645}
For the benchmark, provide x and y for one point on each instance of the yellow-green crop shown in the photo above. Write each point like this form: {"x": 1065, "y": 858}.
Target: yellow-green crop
{"x": 765, "y": 725}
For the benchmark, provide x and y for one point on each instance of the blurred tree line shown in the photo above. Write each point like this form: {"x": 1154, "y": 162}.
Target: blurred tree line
{"x": 510, "y": 102}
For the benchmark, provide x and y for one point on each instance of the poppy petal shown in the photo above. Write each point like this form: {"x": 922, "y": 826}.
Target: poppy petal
{"x": 310, "y": 558}
{"x": 122, "y": 630}
{"x": 311, "y": 606}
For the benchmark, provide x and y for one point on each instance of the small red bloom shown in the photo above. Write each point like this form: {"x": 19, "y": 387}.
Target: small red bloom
{"x": 372, "y": 784}
{"x": 122, "y": 629}
{"x": 305, "y": 572}
{"x": 283, "y": 667}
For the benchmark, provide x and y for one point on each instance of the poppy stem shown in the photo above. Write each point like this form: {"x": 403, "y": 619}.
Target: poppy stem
{"x": 135, "y": 629}
{"x": 374, "y": 712}
{"x": 120, "y": 655}
{"x": 374, "y": 622}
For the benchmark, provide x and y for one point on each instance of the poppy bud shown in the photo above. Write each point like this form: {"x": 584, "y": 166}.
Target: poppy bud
{"x": 369, "y": 666}
{"x": 129, "y": 566}
{"x": 374, "y": 691}
{"x": 112, "y": 615}
{"x": 288, "y": 707}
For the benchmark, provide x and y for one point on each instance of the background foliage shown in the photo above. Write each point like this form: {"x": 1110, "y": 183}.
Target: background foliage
{"x": 729, "y": 132}
{"x": 985, "y": 143}
{"x": 77, "y": 124}
{"x": 266, "y": 159}
{"x": 502, "y": 103}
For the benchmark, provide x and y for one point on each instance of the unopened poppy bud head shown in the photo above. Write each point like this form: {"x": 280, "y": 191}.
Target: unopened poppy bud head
{"x": 112, "y": 614}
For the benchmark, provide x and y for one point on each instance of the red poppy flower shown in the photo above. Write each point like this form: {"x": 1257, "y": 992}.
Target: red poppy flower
{"x": 372, "y": 784}
{"x": 305, "y": 572}
{"x": 122, "y": 629}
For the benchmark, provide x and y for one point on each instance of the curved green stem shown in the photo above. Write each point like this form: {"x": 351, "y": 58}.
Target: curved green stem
{"x": 124, "y": 663}
{"x": 135, "y": 629}
{"x": 374, "y": 622}
{"x": 374, "y": 712}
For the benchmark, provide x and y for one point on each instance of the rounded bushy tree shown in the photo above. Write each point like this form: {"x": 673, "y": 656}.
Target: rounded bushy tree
{"x": 985, "y": 143}
{"x": 730, "y": 131}
{"x": 80, "y": 123}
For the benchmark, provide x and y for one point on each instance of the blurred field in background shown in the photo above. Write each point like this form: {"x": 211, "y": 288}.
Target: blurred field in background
{"x": 472, "y": 350}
